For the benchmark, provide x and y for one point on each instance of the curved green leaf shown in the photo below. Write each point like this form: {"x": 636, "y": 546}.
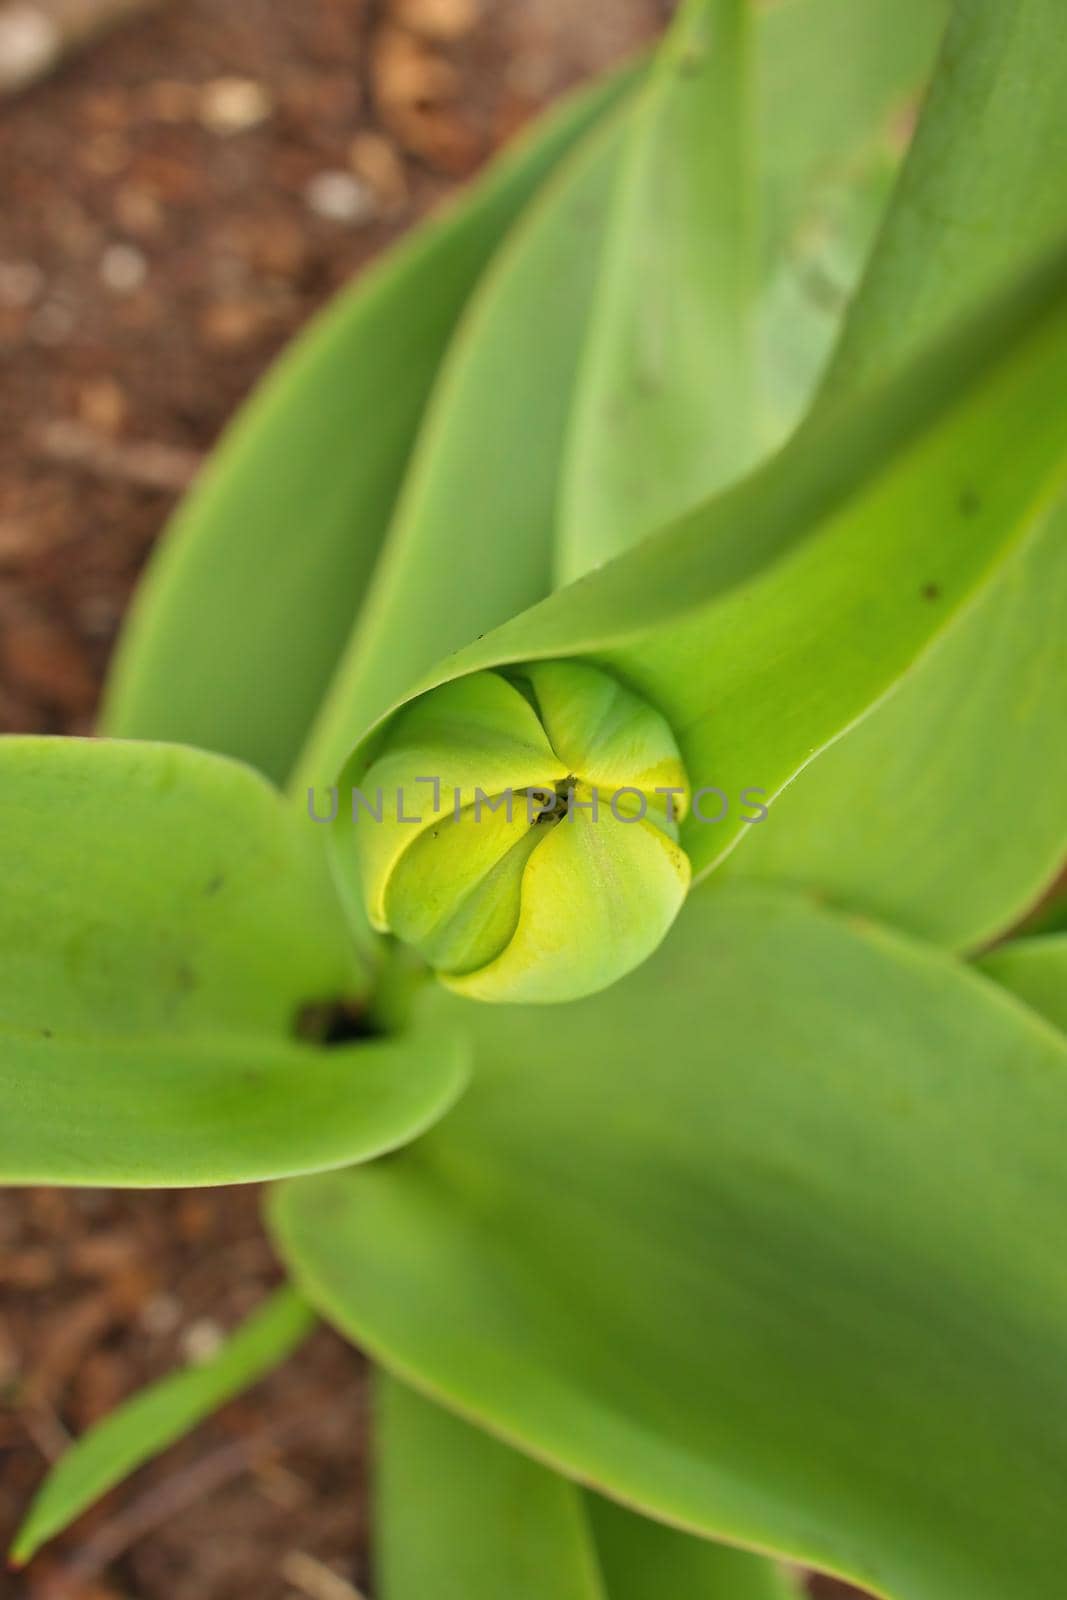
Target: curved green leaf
{"x": 247, "y": 605}
{"x": 663, "y": 408}
{"x": 461, "y": 1517}
{"x": 983, "y": 187}
{"x": 643, "y": 1560}
{"x": 768, "y": 622}
{"x": 1036, "y": 971}
{"x": 145, "y": 1112}
{"x": 476, "y": 528}
{"x": 767, "y": 1242}
{"x": 833, "y": 76}
{"x": 916, "y": 815}
{"x": 471, "y": 543}
{"x": 160, "y": 1415}
{"x": 757, "y": 164}
{"x": 168, "y": 931}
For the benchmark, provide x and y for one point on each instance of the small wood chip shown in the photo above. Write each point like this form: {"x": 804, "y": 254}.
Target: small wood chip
{"x": 148, "y": 465}
{"x": 232, "y": 105}
{"x": 36, "y": 35}
{"x": 315, "y": 1580}
{"x": 438, "y": 19}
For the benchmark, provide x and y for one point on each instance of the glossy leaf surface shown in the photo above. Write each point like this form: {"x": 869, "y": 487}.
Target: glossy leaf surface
{"x": 662, "y": 1253}
{"x": 168, "y": 927}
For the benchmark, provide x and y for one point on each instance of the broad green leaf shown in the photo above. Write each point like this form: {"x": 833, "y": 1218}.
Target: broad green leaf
{"x": 767, "y": 1242}
{"x": 160, "y": 1415}
{"x": 168, "y": 930}
{"x": 248, "y": 603}
{"x": 836, "y": 83}
{"x": 462, "y": 1517}
{"x": 984, "y": 185}
{"x": 511, "y": 373}
{"x": 471, "y": 543}
{"x": 758, "y": 160}
{"x": 833, "y": 77}
{"x": 768, "y": 622}
{"x": 915, "y": 814}
{"x": 663, "y": 406}
{"x": 945, "y": 811}
{"x": 643, "y": 1560}
{"x": 1036, "y": 971}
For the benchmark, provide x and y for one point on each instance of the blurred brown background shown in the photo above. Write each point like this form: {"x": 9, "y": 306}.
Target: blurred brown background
{"x": 181, "y": 184}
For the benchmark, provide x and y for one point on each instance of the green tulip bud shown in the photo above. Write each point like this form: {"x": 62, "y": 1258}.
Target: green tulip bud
{"x": 520, "y": 832}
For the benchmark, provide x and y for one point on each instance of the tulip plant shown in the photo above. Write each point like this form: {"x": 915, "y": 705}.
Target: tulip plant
{"x": 595, "y": 737}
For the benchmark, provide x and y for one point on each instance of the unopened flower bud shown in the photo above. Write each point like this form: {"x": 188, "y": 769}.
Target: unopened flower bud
{"x": 528, "y": 842}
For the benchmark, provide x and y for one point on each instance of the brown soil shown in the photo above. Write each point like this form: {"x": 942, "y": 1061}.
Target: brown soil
{"x": 175, "y": 203}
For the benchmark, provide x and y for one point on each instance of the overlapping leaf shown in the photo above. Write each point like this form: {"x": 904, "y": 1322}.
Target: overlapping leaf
{"x": 918, "y": 813}
{"x": 471, "y": 543}
{"x": 477, "y": 534}
{"x": 665, "y": 402}
{"x": 769, "y": 1243}
{"x": 984, "y": 184}
{"x": 463, "y": 1517}
{"x": 757, "y": 162}
{"x": 765, "y": 624}
{"x": 1035, "y": 970}
{"x": 645, "y": 1560}
{"x": 167, "y": 929}
{"x": 236, "y": 633}
{"x": 661, "y": 1257}
{"x": 945, "y": 811}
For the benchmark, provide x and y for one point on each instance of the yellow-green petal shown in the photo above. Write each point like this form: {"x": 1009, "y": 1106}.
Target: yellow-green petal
{"x": 478, "y": 733}
{"x": 455, "y": 892}
{"x": 598, "y": 896}
{"x": 608, "y": 736}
